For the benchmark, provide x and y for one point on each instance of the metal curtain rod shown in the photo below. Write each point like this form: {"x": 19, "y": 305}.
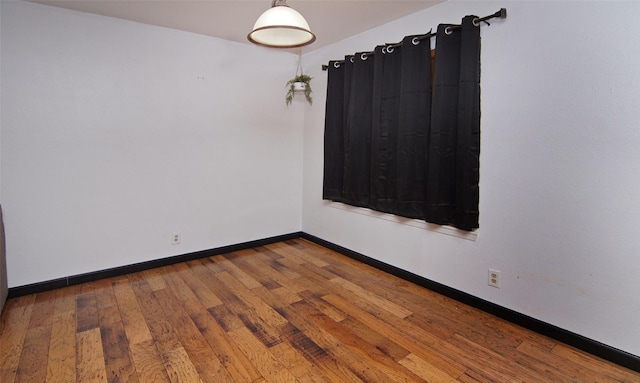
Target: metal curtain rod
{"x": 388, "y": 48}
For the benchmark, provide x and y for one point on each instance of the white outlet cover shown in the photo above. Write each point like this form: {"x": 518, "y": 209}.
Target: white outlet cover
{"x": 493, "y": 278}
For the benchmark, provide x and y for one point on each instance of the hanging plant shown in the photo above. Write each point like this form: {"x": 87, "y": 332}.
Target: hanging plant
{"x": 299, "y": 83}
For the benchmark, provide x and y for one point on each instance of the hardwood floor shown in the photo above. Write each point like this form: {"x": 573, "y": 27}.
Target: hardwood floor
{"x": 286, "y": 312}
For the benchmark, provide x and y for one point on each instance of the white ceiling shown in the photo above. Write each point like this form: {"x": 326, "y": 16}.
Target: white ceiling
{"x": 330, "y": 20}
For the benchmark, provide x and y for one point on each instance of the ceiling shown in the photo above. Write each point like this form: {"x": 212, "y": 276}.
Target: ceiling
{"x": 330, "y": 20}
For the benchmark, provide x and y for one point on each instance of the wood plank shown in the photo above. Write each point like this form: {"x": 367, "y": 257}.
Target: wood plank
{"x": 61, "y": 364}
{"x": 89, "y": 357}
{"x": 234, "y": 361}
{"x": 206, "y": 364}
{"x": 214, "y": 322}
{"x": 103, "y": 291}
{"x": 211, "y": 265}
{"x": 201, "y": 291}
{"x": 539, "y": 358}
{"x": 227, "y": 296}
{"x": 261, "y": 329}
{"x": 376, "y": 366}
{"x": 384, "y": 304}
{"x": 297, "y": 364}
{"x": 281, "y": 267}
{"x": 286, "y": 280}
{"x": 286, "y": 296}
{"x": 118, "y": 363}
{"x": 303, "y": 256}
{"x": 310, "y": 278}
{"x": 418, "y": 342}
{"x": 425, "y": 370}
{"x": 241, "y": 260}
{"x": 236, "y": 272}
{"x": 179, "y": 366}
{"x": 320, "y": 349}
{"x": 441, "y": 311}
{"x": 501, "y": 368}
{"x": 227, "y": 319}
{"x": 322, "y": 305}
{"x": 374, "y": 338}
{"x": 164, "y": 335}
{"x": 87, "y": 310}
{"x": 135, "y": 325}
{"x": 34, "y": 355}
{"x": 149, "y": 365}
{"x": 155, "y": 277}
{"x": 144, "y": 353}
{"x": 592, "y": 363}
{"x": 261, "y": 309}
{"x": 15, "y": 322}
{"x": 280, "y": 249}
{"x": 35, "y": 351}
{"x": 43, "y": 309}
{"x": 269, "y": 367}
{"x": 177, "y": 283}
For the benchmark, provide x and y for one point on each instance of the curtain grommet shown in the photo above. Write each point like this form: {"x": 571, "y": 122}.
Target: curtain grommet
{"x": 448, "y": 31}
{"x": 390, "y": 49}
{"x": 476, "y": 22}
{"x": 336, "y": 65}
{"x": 364, "y": 57}
{"x": 415, "y": 41}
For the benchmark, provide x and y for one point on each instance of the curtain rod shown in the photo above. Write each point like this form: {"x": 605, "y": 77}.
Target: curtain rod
{"x": 502, "y": 13}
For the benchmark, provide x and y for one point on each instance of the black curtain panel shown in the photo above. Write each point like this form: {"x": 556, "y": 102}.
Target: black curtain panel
{"x": 414, "y": 114}
{"x": 333, "y": 133}
{"x": 395, "y": 142}
{"x": 386, "y": 89}
{"x": 402, "y": 92}
{"x": 454, "y": 147}
{"x": 357, "y": 132}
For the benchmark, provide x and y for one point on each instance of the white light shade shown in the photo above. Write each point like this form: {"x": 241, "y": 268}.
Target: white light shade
{"x": 281, "y": 27}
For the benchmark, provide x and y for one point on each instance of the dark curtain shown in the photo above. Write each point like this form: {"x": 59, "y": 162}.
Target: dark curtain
{"x": 401, "y": 122}
{"x": 385, "y": 92}
{"x": 394, "y": 146}
{"x": 357, "y": 132}
{"x": 333, "y": 133}
{"x": 454, "y": 150}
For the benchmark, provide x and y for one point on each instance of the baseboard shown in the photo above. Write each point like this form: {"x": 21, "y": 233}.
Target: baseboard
{"x": 578, "y": 341}
{"x": 122, "y": 270}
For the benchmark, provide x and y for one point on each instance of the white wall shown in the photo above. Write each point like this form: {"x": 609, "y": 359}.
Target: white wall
{"x": 115, "y": 135}
{"x": 560, "y": 168}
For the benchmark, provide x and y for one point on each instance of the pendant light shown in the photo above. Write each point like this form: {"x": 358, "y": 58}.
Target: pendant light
{"x": 281, "y": 27}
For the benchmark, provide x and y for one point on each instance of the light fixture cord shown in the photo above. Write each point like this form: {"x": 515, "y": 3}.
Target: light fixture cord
{"x": 299, "y": 70}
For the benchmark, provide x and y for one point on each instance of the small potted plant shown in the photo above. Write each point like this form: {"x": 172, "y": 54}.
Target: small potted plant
{"x": 299, "y": 83}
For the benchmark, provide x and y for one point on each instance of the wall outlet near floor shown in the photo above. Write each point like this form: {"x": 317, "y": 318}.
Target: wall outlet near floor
{"x": 494, "y": 278}
{"x": 175, "y": 239}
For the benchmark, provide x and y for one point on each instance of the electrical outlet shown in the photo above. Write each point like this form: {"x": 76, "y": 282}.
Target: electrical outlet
{"x": 175, "y": 239}
{"x": 494, "y": 278}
